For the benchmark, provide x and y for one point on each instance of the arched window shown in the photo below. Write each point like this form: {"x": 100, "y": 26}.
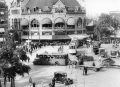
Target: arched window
{"x": 59, "y": 23}
{"x": 34, "y": 23}
{"x": 71, "y": 23}
{"x": 79, "y": 23}
{"x": 47, "y": 23}
{"x": 24, "y": 24}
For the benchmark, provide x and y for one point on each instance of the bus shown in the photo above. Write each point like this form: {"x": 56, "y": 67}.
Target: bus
{"x": 51, "y": 59}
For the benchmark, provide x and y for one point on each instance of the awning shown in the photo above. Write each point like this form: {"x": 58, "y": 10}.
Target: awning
{"x": 46, "y": 21}
{"x": 46, "y": 37}
{"x": 59, "y": 20}
{"x": 82, "y": 36}
{"x": 71, "y": 21}
{"x": 59, "y": 37}
{"x": 2, "y": 30}
{"x": 24, "y": 22}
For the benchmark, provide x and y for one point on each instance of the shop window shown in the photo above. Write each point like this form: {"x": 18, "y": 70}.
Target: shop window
{"x": 79, "y": 32}
{"x": 70, "y": 26}
{"x": 46, "y": 33}
{"x": 59, "y": 26}
{"x": 70, "y": 32}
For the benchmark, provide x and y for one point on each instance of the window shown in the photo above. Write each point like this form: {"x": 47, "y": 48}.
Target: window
{"x": 79, "y": 32}
{"x": 15, "y": 11}
{"x": 34, "y": 23}
{"x": 34, "y": 33}
{"x": 46, "y": 33}
{"x": 46, "y": 9}
{"x": 79, "y": 23}
{"x": 25, "y": 32}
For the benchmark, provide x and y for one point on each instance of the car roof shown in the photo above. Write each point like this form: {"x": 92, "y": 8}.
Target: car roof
{"x": 60, "y": 72}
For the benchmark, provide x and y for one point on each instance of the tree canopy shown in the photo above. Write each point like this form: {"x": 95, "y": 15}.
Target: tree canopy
{"x": 107, "y": 24}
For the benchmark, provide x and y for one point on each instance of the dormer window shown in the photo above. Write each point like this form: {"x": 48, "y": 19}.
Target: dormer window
{"x": 71, "y": 9}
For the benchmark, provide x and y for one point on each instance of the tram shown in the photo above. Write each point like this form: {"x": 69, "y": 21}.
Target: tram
{"x": 73, "y": 46}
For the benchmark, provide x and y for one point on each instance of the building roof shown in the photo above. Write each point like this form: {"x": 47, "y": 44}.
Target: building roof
{"x": 42, "y": 3}
{"x": 24, "y": 3}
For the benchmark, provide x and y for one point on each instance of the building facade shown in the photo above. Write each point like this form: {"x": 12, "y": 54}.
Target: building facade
{"x": 47, "y": 19}
{"x": 3, "y": 19}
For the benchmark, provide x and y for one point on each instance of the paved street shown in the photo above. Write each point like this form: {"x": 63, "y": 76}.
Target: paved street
{"x": 42, "y": 75}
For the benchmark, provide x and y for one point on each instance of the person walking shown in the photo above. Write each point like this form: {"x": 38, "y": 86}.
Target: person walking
{"x": 86, "y": 70}
{"x": 53, "y": 82}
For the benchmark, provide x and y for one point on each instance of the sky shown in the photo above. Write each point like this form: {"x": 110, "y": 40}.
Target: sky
{"x": 96, "y": 7}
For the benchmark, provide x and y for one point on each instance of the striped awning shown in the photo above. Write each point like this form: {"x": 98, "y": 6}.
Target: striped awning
{"x": 71, "y": 21}
{"x": 60, "y": 37}
{"x": 59, "y": 20}
{"x": 46, "y": 21}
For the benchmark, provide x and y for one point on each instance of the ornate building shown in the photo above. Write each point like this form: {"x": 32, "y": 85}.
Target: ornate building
{"x": 47, "y": 19}
{"x": 3, "y": 19}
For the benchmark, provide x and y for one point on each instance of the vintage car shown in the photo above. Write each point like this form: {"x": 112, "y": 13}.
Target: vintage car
{"x": 61, "y": 77}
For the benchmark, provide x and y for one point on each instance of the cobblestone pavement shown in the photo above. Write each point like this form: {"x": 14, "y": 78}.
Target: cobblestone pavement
{"x": 42, "y": 75}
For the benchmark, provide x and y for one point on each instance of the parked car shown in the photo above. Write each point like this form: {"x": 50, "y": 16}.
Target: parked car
{"x": 61, "y": 77}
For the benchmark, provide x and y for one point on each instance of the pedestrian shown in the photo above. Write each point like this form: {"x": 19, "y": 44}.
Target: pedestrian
{"x": 85, "y": 70}
{"x": 0, "y": 84}
{"x": 30, "y": 81}
{"x": 93, "y": 64}
{"x": 53, "y": 82}
{"x": 34, "y": 84}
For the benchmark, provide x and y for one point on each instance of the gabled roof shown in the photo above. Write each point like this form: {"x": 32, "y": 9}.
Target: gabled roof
{"x": 50, "y": 3}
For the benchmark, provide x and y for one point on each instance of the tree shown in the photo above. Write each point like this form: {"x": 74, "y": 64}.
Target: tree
{"x": 107, "y": 25}
{"x": 11, "y": 60}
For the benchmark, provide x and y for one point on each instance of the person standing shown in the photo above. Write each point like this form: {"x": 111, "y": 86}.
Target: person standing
{"x": 83, "y": 70}
{"x": 53, "y": 82}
